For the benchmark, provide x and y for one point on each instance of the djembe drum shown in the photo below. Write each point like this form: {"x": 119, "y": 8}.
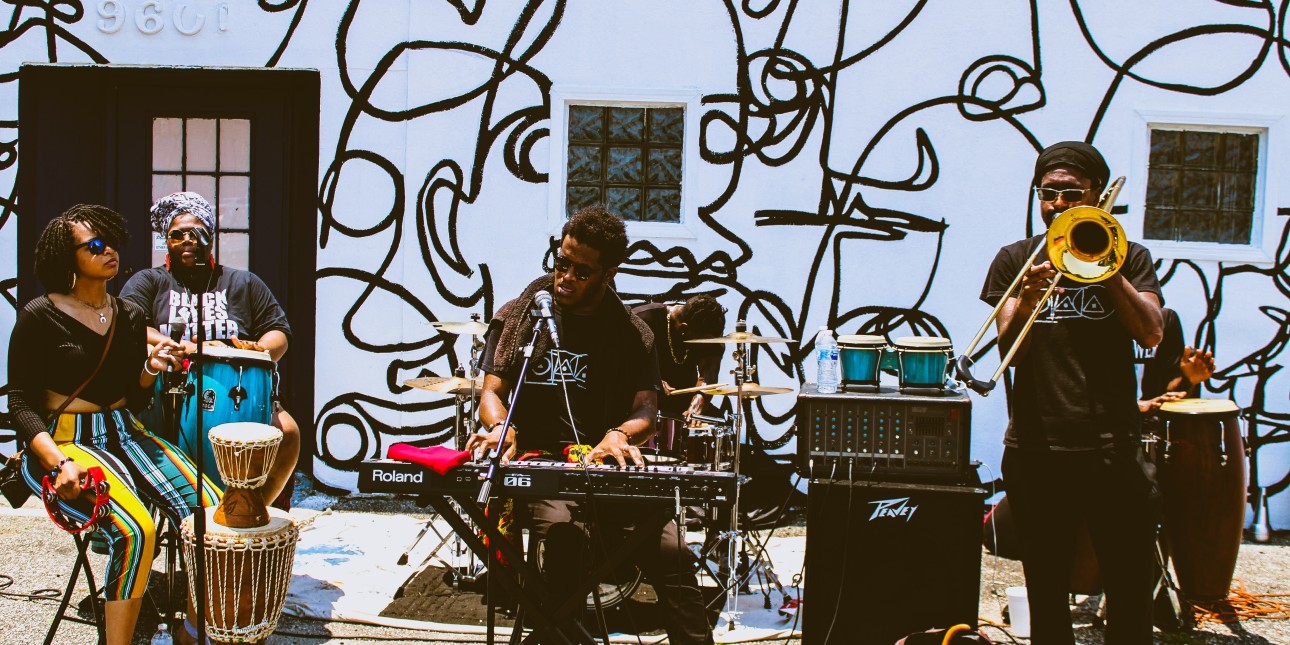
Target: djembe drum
{"x": 248, "y": 547}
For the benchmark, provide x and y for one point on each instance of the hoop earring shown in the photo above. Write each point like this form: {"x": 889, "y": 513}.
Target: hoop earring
{"x": 73, "y": 281}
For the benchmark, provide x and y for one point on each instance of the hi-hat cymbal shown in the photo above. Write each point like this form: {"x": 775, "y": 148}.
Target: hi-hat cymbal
{"x": 470, "y": 328}
{"x": 699, "y": 388}
{"x": 738, "y": 337}
{"x": 446, "y": 384}
{"x": 750, "y": 390}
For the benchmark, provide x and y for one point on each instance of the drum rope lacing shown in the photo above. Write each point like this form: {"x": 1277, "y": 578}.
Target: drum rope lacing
{"x": 1241, "y": 605}
{"x": 240, "y": 457}
{"x": 263, "y": 561}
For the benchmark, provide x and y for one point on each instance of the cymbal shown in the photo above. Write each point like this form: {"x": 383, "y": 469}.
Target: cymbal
{"x": 739, "y": 337}
{"x": 446, "y": 384}
{"x": 470, "y": 328}
{"x": 750, "y": 390}
{"x": 699, "y": 388}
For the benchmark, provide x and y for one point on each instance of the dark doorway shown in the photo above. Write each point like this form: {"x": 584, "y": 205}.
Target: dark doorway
{"x": 122, "y": 136}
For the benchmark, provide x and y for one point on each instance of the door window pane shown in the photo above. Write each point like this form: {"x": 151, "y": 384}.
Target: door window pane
{"x": 234, "y": 195}
{"x": 167, "y": 144}
{"x": 234, "y": 250}
{"x": 199, "y": 145}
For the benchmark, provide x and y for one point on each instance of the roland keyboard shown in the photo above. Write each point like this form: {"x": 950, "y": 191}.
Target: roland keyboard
{"x": 554, "y": 480}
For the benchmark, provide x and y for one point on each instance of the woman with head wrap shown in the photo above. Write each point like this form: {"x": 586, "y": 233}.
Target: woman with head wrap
{"x": 57, "y": 342}
{"x": 237, "y": 309}
{"x": 1072, "y": 450}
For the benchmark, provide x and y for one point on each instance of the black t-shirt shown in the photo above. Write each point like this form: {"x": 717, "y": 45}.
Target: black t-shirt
{"x": 1161, "y": 365}
{"x": 237, "y": 304}
{"x": 1076, "y": 387}
{"x": 51, "y": 350}
{"x": 603, "y": 363}
{"x": 696, "y": 360}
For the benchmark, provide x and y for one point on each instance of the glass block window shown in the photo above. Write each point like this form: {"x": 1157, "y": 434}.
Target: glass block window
{"x": 211, "y": 157}
{"x": 627, "y": 159}
{"x": 1201, "y": 186}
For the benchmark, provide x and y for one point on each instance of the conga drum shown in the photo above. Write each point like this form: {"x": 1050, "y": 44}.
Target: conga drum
{"x": 237, "y": 385}
{"x": 248, "y": 548}
{"x": 1202, "y": 480}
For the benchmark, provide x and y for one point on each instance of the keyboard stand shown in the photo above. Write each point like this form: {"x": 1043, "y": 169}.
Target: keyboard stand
{"x": 556, "y": 619}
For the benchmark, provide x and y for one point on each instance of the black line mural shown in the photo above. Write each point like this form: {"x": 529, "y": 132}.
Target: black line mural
{"x": 890, "y": 163}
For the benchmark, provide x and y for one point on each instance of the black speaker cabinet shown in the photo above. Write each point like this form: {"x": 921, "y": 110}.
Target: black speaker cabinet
{"x": 884, "y": 560}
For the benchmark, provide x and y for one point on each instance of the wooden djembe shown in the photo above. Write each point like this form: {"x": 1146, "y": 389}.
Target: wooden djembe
{"x": 248, "y": 547}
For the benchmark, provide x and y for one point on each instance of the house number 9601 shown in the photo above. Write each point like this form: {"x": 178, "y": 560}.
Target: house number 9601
{"x": 151, "y": 16}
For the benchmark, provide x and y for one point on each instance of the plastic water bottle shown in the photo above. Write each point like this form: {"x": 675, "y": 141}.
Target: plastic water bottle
{"x": 162, "y": 637}
{"x": 826, "y": 358}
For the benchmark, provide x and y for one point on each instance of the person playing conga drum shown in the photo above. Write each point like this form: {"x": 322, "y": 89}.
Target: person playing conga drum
{"x": 56, "y": 344}
{"x": 238, "y": 309}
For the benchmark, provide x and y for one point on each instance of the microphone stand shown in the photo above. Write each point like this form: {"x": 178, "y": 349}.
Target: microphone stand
{"x": 199, "y": 462}
{"x": 494, "y": 459}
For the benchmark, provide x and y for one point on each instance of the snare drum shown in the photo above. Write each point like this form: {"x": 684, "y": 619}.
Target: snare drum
{"x": 922, "y": 361}
{"x": 237, "y": 385}
{"x": 667, "y": 444}
{"x": 861, "y": 356}
{"x": 701, "y": 450}
{"x": 1202, "y": 480}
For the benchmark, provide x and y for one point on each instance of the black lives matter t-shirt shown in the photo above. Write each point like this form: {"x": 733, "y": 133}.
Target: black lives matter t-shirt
{"x": 602, "y": 362}
{"x": 238, "y": 303}
{"x": 1075, "y": 389}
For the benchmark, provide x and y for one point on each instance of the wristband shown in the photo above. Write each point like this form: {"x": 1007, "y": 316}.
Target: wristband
{"x": 59, "y": 467}
{"x": 617, "y": 429}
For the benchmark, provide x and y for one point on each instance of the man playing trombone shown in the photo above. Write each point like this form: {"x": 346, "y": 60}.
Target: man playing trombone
{"x": 1072, "y": 448}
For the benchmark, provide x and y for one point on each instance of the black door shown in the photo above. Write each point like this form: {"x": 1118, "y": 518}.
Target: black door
{"x": 246, "y": 139}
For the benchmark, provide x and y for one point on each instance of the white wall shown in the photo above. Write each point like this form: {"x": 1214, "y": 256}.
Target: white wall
{"x": 879, "y": 96}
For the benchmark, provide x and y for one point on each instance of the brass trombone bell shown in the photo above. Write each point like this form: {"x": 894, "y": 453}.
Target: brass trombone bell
{"x": 1086, "y": 244}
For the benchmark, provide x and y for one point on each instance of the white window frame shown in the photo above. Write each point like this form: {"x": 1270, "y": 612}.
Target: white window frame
{"x": 562, "y": 96}
{"x": 1264, "y": 233}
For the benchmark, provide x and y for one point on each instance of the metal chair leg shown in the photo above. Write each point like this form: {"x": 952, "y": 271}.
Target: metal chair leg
{"x": 82, "y": 565}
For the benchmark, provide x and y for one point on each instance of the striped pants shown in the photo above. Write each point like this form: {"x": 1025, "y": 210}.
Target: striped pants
{"x": 144, "y": 470}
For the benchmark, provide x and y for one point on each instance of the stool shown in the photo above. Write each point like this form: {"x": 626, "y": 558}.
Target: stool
{"x": 82, "y": 565}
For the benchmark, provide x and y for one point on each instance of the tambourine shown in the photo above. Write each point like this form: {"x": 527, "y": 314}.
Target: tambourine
{"x": 94, "y": 482}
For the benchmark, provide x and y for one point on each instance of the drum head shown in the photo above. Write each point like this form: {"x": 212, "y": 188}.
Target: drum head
{"x": 862, "y": 340}
{"x": 247, "y": 432}
{"x": 922, "y": 342}
{"x": 1222, "y": 407}
{"x": 231, "y": 354}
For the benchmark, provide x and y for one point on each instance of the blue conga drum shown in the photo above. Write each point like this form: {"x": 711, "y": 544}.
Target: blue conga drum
{"x": 923, "y": 361}
{"x": 861, "y": 356}
{"x": 237, "y": 386}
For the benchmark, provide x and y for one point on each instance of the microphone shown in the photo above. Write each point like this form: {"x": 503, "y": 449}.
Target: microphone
{"x": 542, "y": 300}
{"x": 203, "y": 239}
{"x": 177, "y": 329}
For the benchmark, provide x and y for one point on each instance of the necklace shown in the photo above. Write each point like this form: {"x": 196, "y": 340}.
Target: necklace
{"x": 96, "y": 309}
{"x": 672, "y": 348}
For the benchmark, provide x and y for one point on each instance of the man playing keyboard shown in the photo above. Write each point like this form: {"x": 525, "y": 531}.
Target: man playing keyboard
{"x": 596, "y": 394}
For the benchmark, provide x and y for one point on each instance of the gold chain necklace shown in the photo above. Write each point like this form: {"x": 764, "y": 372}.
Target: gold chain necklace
{"x": 98, "y": 310}
{"x": 672, "y": 348}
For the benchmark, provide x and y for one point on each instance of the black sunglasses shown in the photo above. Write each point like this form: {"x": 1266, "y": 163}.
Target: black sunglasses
{"x": 1068, "y": 195}
{"x": 180, "y": 234}
{"x": 96, "y": 246}
{"x": 580, "y": 271}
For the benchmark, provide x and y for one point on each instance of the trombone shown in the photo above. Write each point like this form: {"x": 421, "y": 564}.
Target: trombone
{"x": 1085, "y": 244}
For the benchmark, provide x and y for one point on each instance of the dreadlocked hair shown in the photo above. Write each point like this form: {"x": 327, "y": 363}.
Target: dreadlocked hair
{"x": 704, "y": 316}
{"x": 56, "y": 248}
{"x": 601, "y": 230}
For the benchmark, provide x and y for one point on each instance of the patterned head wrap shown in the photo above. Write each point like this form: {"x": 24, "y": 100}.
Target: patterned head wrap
{"x": 175, "y": 204}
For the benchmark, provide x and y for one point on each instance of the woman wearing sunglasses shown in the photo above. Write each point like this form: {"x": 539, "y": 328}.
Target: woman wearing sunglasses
{"x": 57, "y": 341}
{"x": 238, "y": 310}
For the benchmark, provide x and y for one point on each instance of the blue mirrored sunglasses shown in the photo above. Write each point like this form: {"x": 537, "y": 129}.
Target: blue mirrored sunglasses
{"x": 95, "y": 246}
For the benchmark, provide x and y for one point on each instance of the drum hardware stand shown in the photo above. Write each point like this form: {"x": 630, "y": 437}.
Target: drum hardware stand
{"x": 742, "y": 373}
{"x": 1258, "y": 495}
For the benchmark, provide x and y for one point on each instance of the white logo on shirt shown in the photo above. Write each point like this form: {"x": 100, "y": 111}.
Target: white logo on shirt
{"x": 559, "y": 366}
{"x": 1090, "y": 302}
{"x": 214, "y": 304}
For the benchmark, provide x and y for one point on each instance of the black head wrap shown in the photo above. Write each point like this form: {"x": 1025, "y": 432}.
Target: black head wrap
{"x": 1073, "y": 154}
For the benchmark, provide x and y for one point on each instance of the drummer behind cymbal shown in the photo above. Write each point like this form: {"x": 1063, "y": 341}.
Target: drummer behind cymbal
{"x": 1174, "y": 371}
{"x": 682, "y": 365}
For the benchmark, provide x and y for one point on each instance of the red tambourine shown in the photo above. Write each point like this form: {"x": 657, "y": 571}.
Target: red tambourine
{"x": 94, "y": 483}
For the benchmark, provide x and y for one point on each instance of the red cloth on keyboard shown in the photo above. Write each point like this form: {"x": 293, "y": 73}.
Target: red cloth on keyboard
{"x": 440, "y": 459}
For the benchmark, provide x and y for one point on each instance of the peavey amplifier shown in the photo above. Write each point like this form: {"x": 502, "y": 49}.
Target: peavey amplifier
{"x": 887, "y": 560}
{"x": 885, "y": 435}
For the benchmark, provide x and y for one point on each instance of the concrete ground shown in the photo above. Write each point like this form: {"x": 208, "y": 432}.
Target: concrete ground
{"x": 37, "y": 556}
